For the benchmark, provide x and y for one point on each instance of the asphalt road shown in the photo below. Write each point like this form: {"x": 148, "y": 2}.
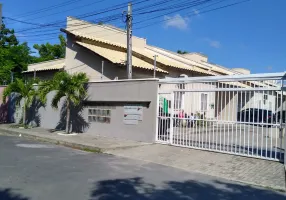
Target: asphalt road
{"x": 34, "y": 171}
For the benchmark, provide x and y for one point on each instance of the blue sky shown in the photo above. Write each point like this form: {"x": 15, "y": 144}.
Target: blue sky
{"x": 249, "y": 35}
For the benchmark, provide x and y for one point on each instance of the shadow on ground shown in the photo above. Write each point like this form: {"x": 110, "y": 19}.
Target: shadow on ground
{"x": 8, "y": 194}
{"x": 77, "y": 121}
{"x": 137, "y": 188}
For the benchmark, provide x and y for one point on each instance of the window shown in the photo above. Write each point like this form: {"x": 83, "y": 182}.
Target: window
{"x": 204, "y": 102}
{"x": 100, "y": 114}
{"x": 265, "y": 98}
{"x": 178, "y": 98}
{"x": 270, "y": 105}
{"x": 259, "y": 104}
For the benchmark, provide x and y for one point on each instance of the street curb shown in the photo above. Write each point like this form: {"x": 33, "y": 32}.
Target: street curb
{"x": 88, "y": 148}
{"x": 8, "y": 132}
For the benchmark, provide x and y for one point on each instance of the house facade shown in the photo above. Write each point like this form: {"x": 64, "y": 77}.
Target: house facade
{"x": 100, "y": 52}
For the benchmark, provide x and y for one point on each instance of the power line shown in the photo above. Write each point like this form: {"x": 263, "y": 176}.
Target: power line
{"x": 30, "y": 13}
{"x": 86, "y": 15}
{"x": 64, "y": 11}
{"x": 164, "y": 14}
{"x": 82, "y": 16}
{"x": 181, "y": 9}
{"x": 219, "y": 8}
{"x": 112, "y": 18}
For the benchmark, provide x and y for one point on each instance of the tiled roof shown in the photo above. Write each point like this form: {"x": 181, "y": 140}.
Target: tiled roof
{"x": 119, "y": 57}
{"x": 160, "y": 59}
{"x": 45, "y": 66}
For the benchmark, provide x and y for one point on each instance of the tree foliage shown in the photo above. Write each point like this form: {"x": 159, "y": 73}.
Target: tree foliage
{"x": 50, "y": 52}
{"x": 72, "y": 87}
{"x": 14, "y": 57}
{"x": 25, "y": 91}
{"x": 182, "y": 52}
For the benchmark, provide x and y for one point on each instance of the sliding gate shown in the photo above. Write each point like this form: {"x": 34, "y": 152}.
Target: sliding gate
{"x": 241, "y": 114}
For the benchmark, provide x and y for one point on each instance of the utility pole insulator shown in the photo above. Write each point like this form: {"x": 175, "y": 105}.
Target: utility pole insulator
{"x": 129, "y": 41}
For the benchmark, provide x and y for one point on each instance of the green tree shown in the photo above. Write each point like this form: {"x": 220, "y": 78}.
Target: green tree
{"x": 14, "y": 57}
{"x": 182, "y": 52}
{"x": 72, "y": 87}
{"x": 25, "y": 92}
{"x": 50, "y": 52}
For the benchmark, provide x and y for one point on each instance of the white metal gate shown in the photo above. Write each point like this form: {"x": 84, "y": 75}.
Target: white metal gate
{"x": 240, "y": 114}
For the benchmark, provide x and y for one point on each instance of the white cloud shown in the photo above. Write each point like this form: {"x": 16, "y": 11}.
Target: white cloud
{"x": 269, "y": 68}
{"x": 196, "y": 12}
{"x": 19, "y": 34}
{"x": 176, "y": 21}
{"x": 213, "y": 43}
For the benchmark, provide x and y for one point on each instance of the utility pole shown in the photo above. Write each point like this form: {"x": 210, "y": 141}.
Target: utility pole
{"x": 102, "y": 68}
{"x": 155, "y": 65}
{"x": 129, "y": 40}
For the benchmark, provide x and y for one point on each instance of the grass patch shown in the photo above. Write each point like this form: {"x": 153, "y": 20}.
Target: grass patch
{"x": 21, "y": 126}
{"x": 87, "y": 149}
{"x": 91, "y": 150}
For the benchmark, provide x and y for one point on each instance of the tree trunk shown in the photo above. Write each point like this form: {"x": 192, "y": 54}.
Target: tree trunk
{"x": 68, "y": 118}
{"x": 24, "y": 112}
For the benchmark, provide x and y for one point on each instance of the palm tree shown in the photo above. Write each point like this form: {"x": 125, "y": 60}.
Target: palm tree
{"x": 25, "y": 92}
{"x": 72, "y": 87}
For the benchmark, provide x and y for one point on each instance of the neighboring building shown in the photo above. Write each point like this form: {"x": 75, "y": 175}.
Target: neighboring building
{"x": 45, "y": 70}
{"x": 100, "y": 52}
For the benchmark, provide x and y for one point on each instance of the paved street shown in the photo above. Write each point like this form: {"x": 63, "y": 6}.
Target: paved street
{"x": 32, "y": 171}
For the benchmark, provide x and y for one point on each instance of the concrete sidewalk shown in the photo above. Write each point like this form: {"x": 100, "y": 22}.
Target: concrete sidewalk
{"x": 248, "y": 170}
{"x": 82, "y": 141}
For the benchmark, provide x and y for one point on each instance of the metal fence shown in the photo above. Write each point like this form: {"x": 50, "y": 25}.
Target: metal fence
{"x": 241, "y": 114}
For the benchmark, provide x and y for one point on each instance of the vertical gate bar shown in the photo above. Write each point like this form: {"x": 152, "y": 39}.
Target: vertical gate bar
{"x": 254, "y": 103}
{"x": 240, "y": 120}
{"x": 157, "y": 116}
{"x": 240, "y": 124}
{"x": 188, "y": 118}
{"x": 262, "y": 132}
{"x": 187, "y": 96}
{"x": 216, "y": 116}
{"x": 171, "y": 132}
{"x": 268, "y": 134}
{"x": 220, "y": 119}
{"x": 194, "y": 122}
{"x": 214, "y": 103}
{"x": 177, "y": 118}
{"x": 281, "y": 124}
{"x": 225, "y": 113}
{"x": 233, "y": 119}
{"x": 228, "y": 119}
{"x": 180, "y": 108}
{"x": 182, "y": 122}
{"x": 276, "y": 134}
{"x": 277, "y": 109}
{"x": 248, "y": 125}
{"x": 259, "y": 108}
{"x": 267, "y": 125}
{"x": 244, "y": 142}
{"x": 212, "y": 98}
{"x": 199, "y": 122}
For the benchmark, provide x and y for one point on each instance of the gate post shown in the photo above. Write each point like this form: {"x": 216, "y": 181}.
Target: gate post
{"x": 172, "y": 118}
{"x": 157, "y": 116}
